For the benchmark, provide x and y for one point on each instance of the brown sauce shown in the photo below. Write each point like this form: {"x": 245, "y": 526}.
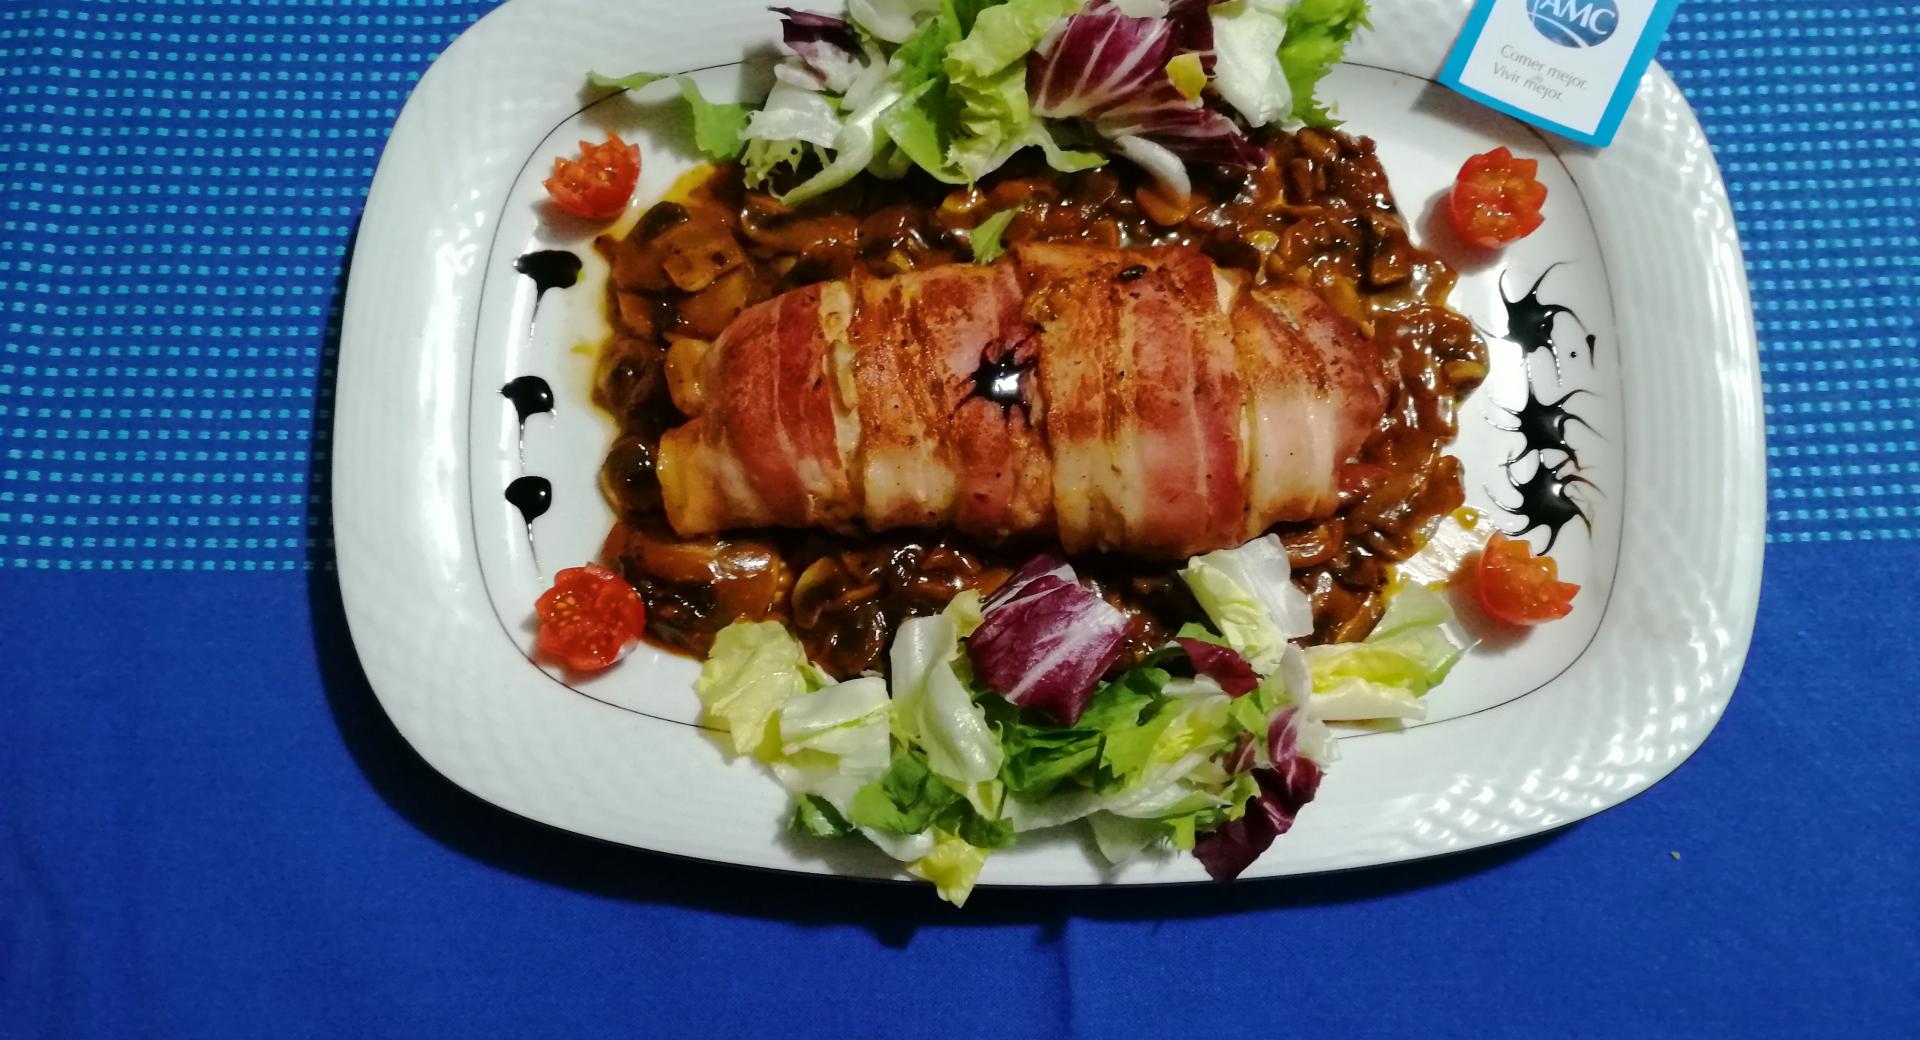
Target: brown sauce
{"x": 1318, "y": 214}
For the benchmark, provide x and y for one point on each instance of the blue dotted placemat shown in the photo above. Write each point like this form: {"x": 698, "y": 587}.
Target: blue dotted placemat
{"x": 182, "y": 179}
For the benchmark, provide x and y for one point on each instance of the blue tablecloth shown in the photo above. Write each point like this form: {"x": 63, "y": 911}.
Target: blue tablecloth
{"x": 208, "y": 828}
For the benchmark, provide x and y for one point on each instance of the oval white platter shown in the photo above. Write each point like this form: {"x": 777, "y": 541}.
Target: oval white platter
{"x": 1657, "y": 445}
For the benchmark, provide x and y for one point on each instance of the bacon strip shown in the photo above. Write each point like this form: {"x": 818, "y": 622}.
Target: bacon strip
{"x": 1164, "y": 410}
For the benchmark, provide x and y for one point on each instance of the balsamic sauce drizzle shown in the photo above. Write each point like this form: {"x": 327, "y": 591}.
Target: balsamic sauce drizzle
{"x": 1544, "y": 502}
{"x": 531, "y": 395}
{"x": 532, "y": 496}
{"x": 1530, "y": 322}
{"x": 1543, "y": 425}
{"x": 549, "y": 269}
{"x": 1000, "y": 381}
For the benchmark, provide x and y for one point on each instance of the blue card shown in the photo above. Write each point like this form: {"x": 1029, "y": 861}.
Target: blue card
{"x": 1569, "y": 66}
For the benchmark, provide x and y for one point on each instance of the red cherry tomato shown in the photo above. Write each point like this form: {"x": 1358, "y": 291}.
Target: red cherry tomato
{"x": 1517, "y": 587}
{"x": 597, "y": 185}
{"x": 589, "y": 618}
{"x": 1496, "y": 199}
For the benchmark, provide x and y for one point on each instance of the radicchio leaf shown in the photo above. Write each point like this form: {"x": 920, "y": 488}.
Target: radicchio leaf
{"x": 1189, "y": 130}
{"x": 1193, "y": 29}
{"x": 1096, "y": 62}
{"x": 1289, "y": 782}
{"x": 1222, "y": 664}
{"x": 826, "y": 44}
{"x": 1044, "y": 640}
{"x": 1110, "y": 69}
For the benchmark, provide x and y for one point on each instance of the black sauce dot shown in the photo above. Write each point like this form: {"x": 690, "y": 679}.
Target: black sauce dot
{"x": 999, "y": 381}
{"x": 532, "y": 496}
{"x": 530, "y": 396}
{"x": 549, "y": 269}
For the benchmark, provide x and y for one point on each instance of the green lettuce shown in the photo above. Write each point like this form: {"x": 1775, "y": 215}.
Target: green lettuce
{"x": 816, "y": 817}
{"x": 952, "y": 866}
{"x": 1249, "y": 595}
{"x": 1041, "y": 756}
{"x": 984, "y": 239}
{"x": 1317, "y": 34}
{"x": 987, "y": 73}
{"x": 847, "y": 720}
{"x": 924, "y": 121}
{"x": 904, "y": 800}
{"x": 751, "y": 672}
{"x": 716, "y": 127}
{"x": 1387, "y": 674}
{"x": 933, "y": 708}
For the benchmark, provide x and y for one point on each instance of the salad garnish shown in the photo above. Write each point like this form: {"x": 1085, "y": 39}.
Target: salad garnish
{"x": 1043, "y": 703}
{"x": 999, "y": 719}
{"x": 955, "y": 88}
{"x": 1518, "y": 588}
{"x": 1496, "y": 199}
{"x": 589, "y": 619}
{"x": 598, "y": 185}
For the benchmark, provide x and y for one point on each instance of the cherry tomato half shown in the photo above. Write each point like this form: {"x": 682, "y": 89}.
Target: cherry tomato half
{"x": 1496, "y": 199}
{"x": 1517, "y": 587}
{"x": 597, "y": 185}
{"x": 589, "y": 618}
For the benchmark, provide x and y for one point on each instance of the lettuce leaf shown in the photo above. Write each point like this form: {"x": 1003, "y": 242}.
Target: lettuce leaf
{"x": 1222, "y": 664}
{"x": 630, "y": 82}
{"x": 952, "y": 866}
{"x": 848, "y": 720}
{"x": 1249, "y": 595}
{"x": 794, "y": 114}
{"x": 889, "y": 20}
{"x": 751, "y": 673}
{"x": 1045, "y": 640}
{"x": 763, "y": 157}
{"x": 1247, "y": 36}
{"x": 827, "y": 46}
{"x": 816, "y": 817}
{"x": 925, "y": 120}
{"x": 906, "y": 799}
{"x": 716, "y": 127}
{"x": 984, "y": 239}
{"x": 1041, "y": 757}
{"x": 932, "y": 707}
{"x": 1387, "y": 674}
{"x": 987, "y": 73}
{"x": 1317, "y": 34}
{"x": 1121, "y": 839}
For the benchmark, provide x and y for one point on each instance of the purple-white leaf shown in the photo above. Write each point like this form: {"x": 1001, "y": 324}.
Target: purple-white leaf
{"x": 1193, "y": 29}
{"x": 1045, "y": 640}
{"x": 1110, "y": 69}
{"x": 1242, "y": 757}
{"x": 1187, "y": 129}
{"x": 1097, "y": 61}
{"x": 1222, "y": 664}
{"x": 826, "y": 44}
{"x": 1289, "y": 782}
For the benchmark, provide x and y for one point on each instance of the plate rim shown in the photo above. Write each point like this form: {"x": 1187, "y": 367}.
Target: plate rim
{"x": 356, "y": 555}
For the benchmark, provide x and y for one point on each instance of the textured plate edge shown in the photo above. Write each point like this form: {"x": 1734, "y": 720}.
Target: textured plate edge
{"x": 1743, "y": 582}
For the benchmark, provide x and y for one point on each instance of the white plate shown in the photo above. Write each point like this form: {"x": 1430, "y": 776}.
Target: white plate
{"x": 439, "y": 577}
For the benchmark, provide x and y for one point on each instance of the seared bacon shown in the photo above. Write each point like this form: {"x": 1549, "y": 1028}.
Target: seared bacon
{"x": 1164, "y": 408}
